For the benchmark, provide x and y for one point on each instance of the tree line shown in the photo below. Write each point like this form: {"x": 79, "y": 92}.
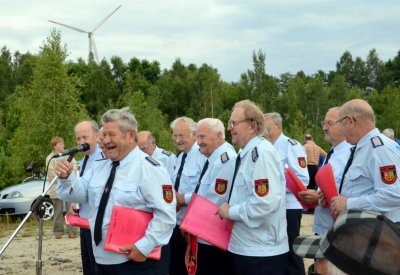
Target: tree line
{"x": 42, "y": 95}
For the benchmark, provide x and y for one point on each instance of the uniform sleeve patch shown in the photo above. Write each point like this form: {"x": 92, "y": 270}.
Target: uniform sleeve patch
{"x": 254, "y": 154}
{"x": 292, "y": 141}
{"x": 302, "y": 162}
{"x": 165, "y": 152}
{"x": 261, "y": 187}
{"x": 152, "y": 161}
{"x": 168, "y": 194}
{"x": 376, "y": 141}
{"x": 388, "y": 174}
{"x": 221, "y": 186}
{"x": 224, "y": 157}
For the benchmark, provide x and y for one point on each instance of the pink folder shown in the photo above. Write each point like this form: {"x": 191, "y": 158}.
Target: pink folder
{"x": 77, "y": 221}
{"x": 200, "y": 220}
{"x": 294, "y": 184}
{"x": 127, "y": 226}
{"x": 326, "y": 182}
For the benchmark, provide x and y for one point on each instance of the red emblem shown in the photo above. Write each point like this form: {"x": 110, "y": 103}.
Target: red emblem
{"x": 302, "y": 162}
{"x": 168, "y": 195}
{"x": 220, "y": 186}
{"x": 261, "y": 187}
{"x": 388, "y": 174}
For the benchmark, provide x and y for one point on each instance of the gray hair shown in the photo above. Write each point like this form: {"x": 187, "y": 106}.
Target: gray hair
{"x": 215, "y": 124}
{"x": 125, "y": 119}
{"x": 389, "y": 132}
{"x": 190, "y": 122}
{"x": 276, "y": 117}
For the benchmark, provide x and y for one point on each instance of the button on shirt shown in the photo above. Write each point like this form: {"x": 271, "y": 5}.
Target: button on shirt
{"x": 194, "y": 163}
{"x": 366, "y": 185}
{"x": 169, "y": 161}
{"x": 259, "y": 220}
{"x": 322, "y": 216}
{"x": 290, "y": 155}
{"x": 138, "y": 184}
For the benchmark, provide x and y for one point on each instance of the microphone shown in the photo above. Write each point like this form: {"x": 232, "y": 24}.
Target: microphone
{"x": 81, "y": 148}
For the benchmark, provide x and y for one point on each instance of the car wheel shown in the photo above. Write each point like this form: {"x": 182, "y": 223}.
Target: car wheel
{"x": 46, "y": 209}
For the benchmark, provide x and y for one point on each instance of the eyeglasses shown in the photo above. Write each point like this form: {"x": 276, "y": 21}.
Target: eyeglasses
{"x": 232, "y": 123}
{"x": 330, "y": 123}
{"x": 180, "y": 137}
{"x": 341, "y": 120}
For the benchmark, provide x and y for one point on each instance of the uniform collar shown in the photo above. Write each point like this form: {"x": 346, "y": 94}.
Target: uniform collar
{"x": 366, "y": 139}
{"x": 250, "y": 145}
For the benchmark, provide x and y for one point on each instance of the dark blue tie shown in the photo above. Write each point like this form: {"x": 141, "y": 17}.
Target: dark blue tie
{"x": 83, "y": 165}
{"x": 237, "y": 164}
{"x": 348, "y": 164}
{"x": 205, "y": 167}
{"x": 328, "y": 156}
{"x": 178, "y": 176}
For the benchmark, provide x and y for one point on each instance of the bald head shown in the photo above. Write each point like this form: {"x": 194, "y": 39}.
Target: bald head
{"x": 359, "y": 109}
{"x": 146, "y": 142}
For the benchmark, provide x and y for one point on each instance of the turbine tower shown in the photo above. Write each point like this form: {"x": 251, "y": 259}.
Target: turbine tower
{"x": 92, "y": 44}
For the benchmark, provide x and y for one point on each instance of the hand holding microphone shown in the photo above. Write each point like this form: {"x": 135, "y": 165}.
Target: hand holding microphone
{"x": 64, "y": 167}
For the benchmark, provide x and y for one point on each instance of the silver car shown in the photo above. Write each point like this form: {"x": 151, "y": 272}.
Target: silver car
{"x": 17, "y": 199}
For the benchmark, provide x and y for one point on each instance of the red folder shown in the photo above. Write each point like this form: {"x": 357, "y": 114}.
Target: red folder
{"x": 200, "y": 220}
{"x": 127, "y": 226}
{"x": 77, "y": 221}
{"x": 326, "y": 182}
{"x": 294, "y": 184}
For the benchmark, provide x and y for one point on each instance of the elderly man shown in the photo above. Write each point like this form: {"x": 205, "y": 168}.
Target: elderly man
{"x": 189, "y": 165}
{"x": 259, "y": 243}
{"x": 215, "y": 185}
{"x": 337, "y": 157}
{"x": 129, "y": 178}
{"x": 370, "y": 180}
{"x": 147, "y": 143}
{"x": 293, "y": 155}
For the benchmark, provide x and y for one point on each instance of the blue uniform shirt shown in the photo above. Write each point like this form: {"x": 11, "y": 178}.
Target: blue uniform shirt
{"x": 323, "y": 216}
{"x": 371, "y": 182}
{"x": 194, "y": 163}
{"x": 138, "y": 184}
{"x": 258, "y": 202}
{"x": 293, "y": 155}
{"x": 167, "y": 158}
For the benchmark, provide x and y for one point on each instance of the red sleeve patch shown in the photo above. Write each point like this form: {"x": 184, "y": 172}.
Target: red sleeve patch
{"x": 388, "y": 174}
{"x": 168, "y": 195}
{"x": 261, "y": 187}
{"x": 302, "y": 162}
{"x": 220, "y": 186}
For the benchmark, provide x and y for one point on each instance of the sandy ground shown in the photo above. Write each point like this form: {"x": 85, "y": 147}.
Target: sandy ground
{"x": 62, "y": 256}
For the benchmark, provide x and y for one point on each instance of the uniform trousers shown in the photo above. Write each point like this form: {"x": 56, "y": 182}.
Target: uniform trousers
{"x": 242, "y": 265}
{"x": 178, "y": 247}
{"x": 148, "y": 267}
{"x": 59, "y": 220}
{"x": 88, "y": 262}
{"x": 211, "y": 260}
{"x": 312, "y": 171}
{"x": 295, "y": 264}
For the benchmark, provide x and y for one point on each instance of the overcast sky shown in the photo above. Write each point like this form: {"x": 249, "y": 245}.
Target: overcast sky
{"x": 296, "y": 35}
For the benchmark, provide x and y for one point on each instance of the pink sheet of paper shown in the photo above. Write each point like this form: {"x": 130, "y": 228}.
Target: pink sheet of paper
{"x": 77, "y": 221}
{"x": 294, "y": 184}
{"x": 127, "y": 226}
{"x": 326, "y": 182}
{"x": 200, "y": 220}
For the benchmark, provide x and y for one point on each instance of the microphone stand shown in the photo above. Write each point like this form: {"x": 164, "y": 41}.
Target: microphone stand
{"x": 37, "y": 205}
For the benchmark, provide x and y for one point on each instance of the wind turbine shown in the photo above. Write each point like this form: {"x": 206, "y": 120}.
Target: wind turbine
{"x": 92, "y": 44}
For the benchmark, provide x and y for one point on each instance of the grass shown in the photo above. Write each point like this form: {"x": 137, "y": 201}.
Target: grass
{"x": 8, "y": 224}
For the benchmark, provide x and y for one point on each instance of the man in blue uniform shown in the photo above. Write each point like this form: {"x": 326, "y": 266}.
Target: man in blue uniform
{"x": 147, "y": 143}
{"x": 129, "y": 178}
{"x": 371, "y": 181}
{"x": 292, "y": 155}
{"x": 189, "y": 164}
{"x": 215, "y": 185}
{"x": 259, "y": 243}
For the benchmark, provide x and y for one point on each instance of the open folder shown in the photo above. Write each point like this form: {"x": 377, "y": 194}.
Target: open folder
{"x": 77, "y": 221}
{"x": 326, "y": 182}
{"x": 294, "y": 184}
{"x": 200, "y": 220}
{"x": 127, "y": 226}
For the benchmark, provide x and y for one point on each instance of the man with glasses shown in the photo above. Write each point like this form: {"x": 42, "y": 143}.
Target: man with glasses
{"x": 337, "y": 157}
{"x": 371, "y": 181}
{"x": 189, "y": 165}
{"x": 292, "y": 155}
{"x": 258, "y": 243}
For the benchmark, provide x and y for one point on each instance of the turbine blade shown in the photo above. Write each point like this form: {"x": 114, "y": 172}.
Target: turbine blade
{"x": 67, "y": 26}
{"x": 96, "y": 56}
{"x": 104, "y": 20}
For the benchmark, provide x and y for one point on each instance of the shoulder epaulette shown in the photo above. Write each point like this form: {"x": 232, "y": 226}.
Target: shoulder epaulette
{"x": 165, "y": 152}
{"x": 254, "y": 154}
{"x": 376, "y": 141}
{"x": 101, "y": 159}
{"x": 152, "y": 161}
{"x": 292, "y": 141}
{"x": 224, "y": 157}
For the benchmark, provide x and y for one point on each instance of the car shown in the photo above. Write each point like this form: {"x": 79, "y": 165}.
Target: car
{"x": 17, "y": 199}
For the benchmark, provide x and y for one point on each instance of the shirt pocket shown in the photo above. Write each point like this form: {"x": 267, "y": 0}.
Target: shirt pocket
{"x": 127, "y": 194}
{"x": 352, "y": 179}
